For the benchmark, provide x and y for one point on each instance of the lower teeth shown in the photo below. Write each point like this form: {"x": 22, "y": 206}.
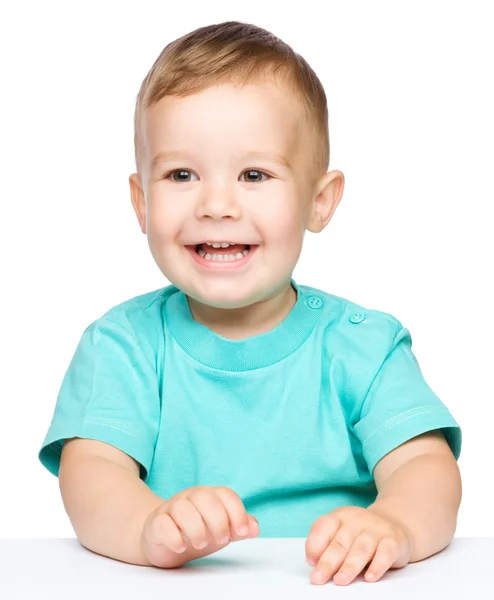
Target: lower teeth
{"x": 223, "y": 257}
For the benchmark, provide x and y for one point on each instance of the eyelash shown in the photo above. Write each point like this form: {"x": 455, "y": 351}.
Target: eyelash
{"x": 187, "y": 171}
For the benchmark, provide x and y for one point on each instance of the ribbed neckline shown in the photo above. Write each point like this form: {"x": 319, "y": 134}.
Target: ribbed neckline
{"x": 213, "y": 350}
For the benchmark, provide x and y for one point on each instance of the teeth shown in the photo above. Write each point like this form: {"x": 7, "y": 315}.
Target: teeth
{"x": 220, "y": 244}
{"x": 223, "y": 257}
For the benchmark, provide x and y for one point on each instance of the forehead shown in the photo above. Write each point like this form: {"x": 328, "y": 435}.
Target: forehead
{"x": 224, "y": 119}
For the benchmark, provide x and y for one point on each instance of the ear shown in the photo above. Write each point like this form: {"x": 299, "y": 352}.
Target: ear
{"x": 138, "y": 201}
{"x": 327, "y": 196}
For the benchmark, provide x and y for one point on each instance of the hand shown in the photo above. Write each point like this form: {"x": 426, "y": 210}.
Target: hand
{"x": 207, "y": 517}
{"x": 350, "y": 537}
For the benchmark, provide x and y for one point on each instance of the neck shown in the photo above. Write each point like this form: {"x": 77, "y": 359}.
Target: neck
{"x": 247, "y": 321}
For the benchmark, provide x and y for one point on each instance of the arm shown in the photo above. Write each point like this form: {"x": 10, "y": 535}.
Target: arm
{"x": 419, "y": 484}
{"x": 108, "y": 504}
{"x": 105, "y": 499}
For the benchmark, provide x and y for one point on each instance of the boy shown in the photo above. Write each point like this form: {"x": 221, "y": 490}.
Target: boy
{"x": 234, "y": 392}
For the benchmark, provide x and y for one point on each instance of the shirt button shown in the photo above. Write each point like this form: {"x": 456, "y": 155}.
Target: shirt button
{"x": 358, "y": 317}
{"x": 314, "y": 302}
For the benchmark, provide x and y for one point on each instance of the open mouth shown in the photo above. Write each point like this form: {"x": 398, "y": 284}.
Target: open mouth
{"x": 231, "y": 255}
{"x": 204, "y": 249}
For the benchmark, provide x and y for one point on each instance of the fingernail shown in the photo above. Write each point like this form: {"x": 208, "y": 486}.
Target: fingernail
{"x": 243, "y": 530}
{"x": 311, "y": 562}
{"x": 225, "y": 539}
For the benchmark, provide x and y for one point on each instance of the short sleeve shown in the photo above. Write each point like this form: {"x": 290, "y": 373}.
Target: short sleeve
{"x": 400, "y": 405}
{"x": 109, "y": 393}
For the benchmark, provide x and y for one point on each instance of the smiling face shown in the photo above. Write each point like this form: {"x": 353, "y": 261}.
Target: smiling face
{"x": 228, "y": 164}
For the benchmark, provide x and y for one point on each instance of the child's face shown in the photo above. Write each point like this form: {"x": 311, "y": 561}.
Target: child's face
{"x": 218, "y": 198}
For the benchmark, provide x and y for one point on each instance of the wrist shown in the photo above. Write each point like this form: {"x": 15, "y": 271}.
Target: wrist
{"x": 388, "y": 509}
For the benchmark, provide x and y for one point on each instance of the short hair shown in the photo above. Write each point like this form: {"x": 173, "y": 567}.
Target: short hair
{"x": 241, "y": 53}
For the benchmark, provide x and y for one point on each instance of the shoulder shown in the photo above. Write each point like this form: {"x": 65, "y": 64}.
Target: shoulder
{"x": 347, "y": 314}
{"x": 144, "y": 307}
{"x": 355, "y": 341}
{"x": 140, "y": 318}
{"x": 356, "y": 329}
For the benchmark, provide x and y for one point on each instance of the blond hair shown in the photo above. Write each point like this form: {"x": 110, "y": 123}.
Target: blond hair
{"x": 240, "y": 53}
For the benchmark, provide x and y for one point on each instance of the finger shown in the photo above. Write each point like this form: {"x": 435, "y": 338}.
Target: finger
{"x": 237, "y": 515}
{"x": 213, "y": 513}
{"x": 320, "y": 535}
{"x": 254, "y": 528}
{"x": 333, "y": 557}
{"x": 253, "y": 532}
{"x": 189, "y": 521}
{"x": 164, "y": 531}
{"x": 386, "y": 554}
{"x": 360, "y": 554}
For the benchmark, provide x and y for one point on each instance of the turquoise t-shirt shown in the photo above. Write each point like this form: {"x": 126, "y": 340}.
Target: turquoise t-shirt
{"x": 294, "y": 420}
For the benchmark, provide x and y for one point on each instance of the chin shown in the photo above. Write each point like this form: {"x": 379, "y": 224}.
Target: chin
{"x": 222, "y": 301}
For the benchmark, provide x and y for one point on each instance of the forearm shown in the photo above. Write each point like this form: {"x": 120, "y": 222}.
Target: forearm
{"x": 107, "y": 505}
{"x": 424, "y": 494}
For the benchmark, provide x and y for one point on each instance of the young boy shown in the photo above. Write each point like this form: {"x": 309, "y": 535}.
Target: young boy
{"x": 235, "y": 402}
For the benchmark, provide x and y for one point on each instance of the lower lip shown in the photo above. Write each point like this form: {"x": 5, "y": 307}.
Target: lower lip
{"x": 218, "y": 265}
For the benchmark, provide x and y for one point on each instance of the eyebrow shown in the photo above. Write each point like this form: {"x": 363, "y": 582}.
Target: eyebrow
{"x": 181, "y": 155}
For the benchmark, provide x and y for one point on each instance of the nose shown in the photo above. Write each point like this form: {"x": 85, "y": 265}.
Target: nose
{"x": 218, "y": 204}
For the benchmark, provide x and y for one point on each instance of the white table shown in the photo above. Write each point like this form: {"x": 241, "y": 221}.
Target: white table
{"x": 260, "y": 568}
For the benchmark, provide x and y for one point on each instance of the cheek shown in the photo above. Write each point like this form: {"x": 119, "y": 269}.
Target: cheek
{"x": 163, "y": 221}
{"x": 285, "y": 230}
{"x": 281, "y": 212}
{"x": 284, "y": 240}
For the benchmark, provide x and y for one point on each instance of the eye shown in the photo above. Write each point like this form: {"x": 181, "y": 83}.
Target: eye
{"x": 183, "y": 173}
{"x": 250, "y": 171}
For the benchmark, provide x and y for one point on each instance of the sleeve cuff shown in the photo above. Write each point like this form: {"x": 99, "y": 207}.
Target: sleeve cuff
{"x": 399, "y": 429}
{"x": 126, "y": 439}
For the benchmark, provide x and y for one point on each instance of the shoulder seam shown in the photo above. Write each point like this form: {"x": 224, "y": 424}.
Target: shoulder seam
{"x": 127, "y": 306}
{"x": 132, "y": 334}
{"x": 361, "y": 403}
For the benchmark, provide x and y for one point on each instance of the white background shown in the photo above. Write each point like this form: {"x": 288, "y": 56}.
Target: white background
{"x": 410, "y": 99}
